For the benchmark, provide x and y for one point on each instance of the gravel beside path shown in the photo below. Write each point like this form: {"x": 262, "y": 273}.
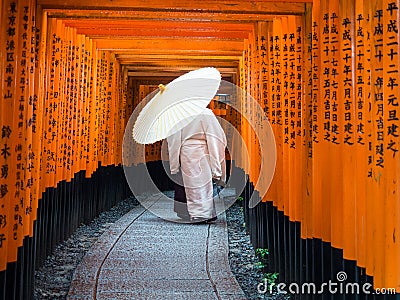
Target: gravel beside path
{"x": 53, "y": 279}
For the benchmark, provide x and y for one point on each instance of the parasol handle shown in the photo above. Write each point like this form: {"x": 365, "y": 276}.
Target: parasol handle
{"x": 161, "y": 87}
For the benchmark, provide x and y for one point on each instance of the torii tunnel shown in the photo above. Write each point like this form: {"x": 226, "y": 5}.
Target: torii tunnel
{"x": 326, "y": 74}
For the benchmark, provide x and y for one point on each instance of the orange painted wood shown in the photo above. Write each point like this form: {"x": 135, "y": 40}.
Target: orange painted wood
{"x": 77, "y": 110}
{"x": 96, "y": 28}
{"x": 28, "y": 51}
{"x": 251, "y": 63}
{"x": 317, "y": 102}
{"x": 245, "y": 131}
{"x": 298, "y": 126}
{"x": 89, "y": 107}
{"x": 263, "y": 29}
{"x": 315, "y": 62}
{"x": 113, "y": 107}
{"x": 333, "y": 154}
{"x": 209, "y": 6}
{"x": 370, "y": 187}
{"x": 307, "y": 126}
{"x": 85, "y": 102}
{"x": 118, "y": 118}
{"x": 323, "y": 203}
{"x": 284, "y": 112}
{"x": 347, "y": 105}
{"x": 361, "y": 102}
{"x": 77, "y": 104}
{"x": 217, "y": 16}
{"x": 32, "y": 157}
{"x": 378, "y": 181}
{"x": 102, "y": 80}
{"x": 123, "y": 114}
{"x": 18, "y": 218}
{"x": 73, "y": 104}
{"x": 99, "y": 104}
{"x": 273, "y": 190}
{"x": 161, "y": 33}
{"x": 59, "y": 96}
{"x": 50, "y": 117}
{"x": 254, "y": 64}
{"x": 39, "y": 79}
{"x": 93, "y": 23}
{"x": 120, "y": 115}
{"x": 70, "y": 104}
{"x": 391, "y": 198}
{"x": 171, "y": 46}
{"x": 91, "y": 118}
{"x": 226, "y": 61}
{"x": 95, "y": 97}
{"x": 289, "y": 114}
{"x": 16, "y": 180}
{"x": 5, "y": 124}
{"x": 275, "y": 121}
{"x": 66, "y": 56}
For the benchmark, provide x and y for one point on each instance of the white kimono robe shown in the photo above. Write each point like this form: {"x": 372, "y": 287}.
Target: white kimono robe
{"x": 199, "y": 150}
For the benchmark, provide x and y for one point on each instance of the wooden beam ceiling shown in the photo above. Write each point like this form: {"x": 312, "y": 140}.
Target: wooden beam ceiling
{"x": 163, "y": 36}
{"x": 157, "y": 29}
{"x": 238, "y": 17}
{"x": 170, "y": 46}
{"x": 198, "y": 7}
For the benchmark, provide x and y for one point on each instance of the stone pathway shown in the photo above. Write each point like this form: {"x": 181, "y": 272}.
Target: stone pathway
{"x": 145, "y": 257}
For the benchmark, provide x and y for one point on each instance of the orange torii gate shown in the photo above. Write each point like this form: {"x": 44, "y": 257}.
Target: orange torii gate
{"x": 334, "y": 112}
{"x": 61, "y": 113}
{"x": 325, "y": 72}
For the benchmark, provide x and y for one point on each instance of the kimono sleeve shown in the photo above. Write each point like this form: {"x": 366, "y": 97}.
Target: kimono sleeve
{"x": 174, "y": 150}
{"x": 216, "y": 143}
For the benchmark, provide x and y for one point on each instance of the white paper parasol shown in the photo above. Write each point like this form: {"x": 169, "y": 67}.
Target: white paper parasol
{"x": 176, "y": 105}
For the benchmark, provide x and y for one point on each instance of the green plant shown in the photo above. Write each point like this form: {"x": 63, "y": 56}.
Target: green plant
{"x": 240, "y": 198}
{"x": 270, "y": 278}
{"x": 262, "y": 253}
{"x": 259, "y": 265}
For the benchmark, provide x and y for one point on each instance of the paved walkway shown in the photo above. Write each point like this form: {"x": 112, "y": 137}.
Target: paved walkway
{"x": 145, "y": 257}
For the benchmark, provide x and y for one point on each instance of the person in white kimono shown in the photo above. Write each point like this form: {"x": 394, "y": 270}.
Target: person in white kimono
{"x": 198, "y": 150}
